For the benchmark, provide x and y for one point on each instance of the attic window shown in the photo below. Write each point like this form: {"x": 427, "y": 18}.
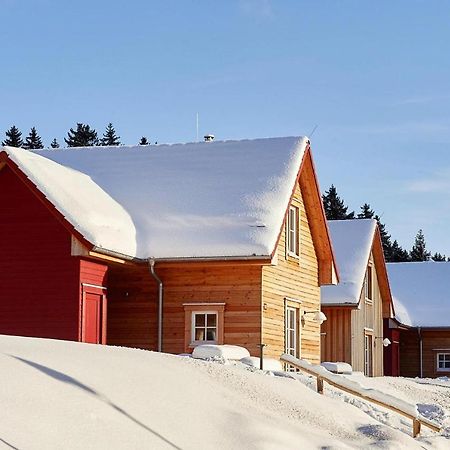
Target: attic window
{"x": 292, "y": 232}
{"x": 443, "y": 362}
{"x": 368, "y": 284}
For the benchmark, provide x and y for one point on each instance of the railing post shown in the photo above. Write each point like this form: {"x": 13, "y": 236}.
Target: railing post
{"x": 320, "y": 385}
{"x": 416, "y": 427}
{"x": 261, "y": 355}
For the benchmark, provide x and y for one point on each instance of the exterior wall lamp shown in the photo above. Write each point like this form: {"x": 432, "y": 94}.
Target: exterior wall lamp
{"x": 386, "y": 341}
{"x": 318, "y": 317}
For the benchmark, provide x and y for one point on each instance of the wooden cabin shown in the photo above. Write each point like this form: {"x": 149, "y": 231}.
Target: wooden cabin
{"x": 421, "y": 324}
{"x": 355, "y": 308}
{"x": 165, "y": 247}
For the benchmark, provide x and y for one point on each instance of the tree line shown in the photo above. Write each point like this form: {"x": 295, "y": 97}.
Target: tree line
{"x": 335, "y": 209}
{"x": 82, "y": 135}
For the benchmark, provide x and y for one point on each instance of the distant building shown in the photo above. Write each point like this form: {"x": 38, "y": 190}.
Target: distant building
{"x": 421, "y": 295}
{"x": 356, "y": 307}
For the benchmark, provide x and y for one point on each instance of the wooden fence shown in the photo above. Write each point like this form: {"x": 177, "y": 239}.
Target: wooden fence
{"x": 331, "y": 379}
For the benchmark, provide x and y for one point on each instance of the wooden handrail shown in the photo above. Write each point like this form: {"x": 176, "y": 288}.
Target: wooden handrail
{"x": 320, "y": 378}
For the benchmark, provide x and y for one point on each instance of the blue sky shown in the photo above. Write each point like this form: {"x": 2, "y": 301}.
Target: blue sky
{"x": 373, "y": 76}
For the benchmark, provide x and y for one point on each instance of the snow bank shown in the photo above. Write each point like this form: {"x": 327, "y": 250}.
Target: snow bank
{"x": 57, "y": 394}
{"x": 421, "y": 293}
{"x": 166, "y": 201}
{"x": 352, "y": 243}
{"x": 213, "y": 351}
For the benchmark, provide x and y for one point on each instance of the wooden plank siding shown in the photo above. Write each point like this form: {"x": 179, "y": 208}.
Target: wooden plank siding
{"x": 236, "y": 285}
{"x": 368, "y": 318}
{"x": 336, "y": 335}
{"x": 39, "y": 279}
{"x": 132, "y": 307}
{"x": 345, "y": 328}
{"x": 296, "y": 279}
{"x": 433, "y": 342}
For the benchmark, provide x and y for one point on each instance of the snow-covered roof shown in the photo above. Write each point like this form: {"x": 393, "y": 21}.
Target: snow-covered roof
{"x": 208, "y": 199}
{"x": 421, "y": 293}
{"x": 352, "y": 243}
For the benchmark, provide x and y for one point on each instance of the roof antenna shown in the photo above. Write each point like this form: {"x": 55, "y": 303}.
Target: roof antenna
{"x": 197, "y": 127}
{"x": 313, "y": 130}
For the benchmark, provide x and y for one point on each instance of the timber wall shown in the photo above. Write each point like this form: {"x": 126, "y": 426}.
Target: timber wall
{"x": 39, "y": 279}
{"x": 296, "y": 279}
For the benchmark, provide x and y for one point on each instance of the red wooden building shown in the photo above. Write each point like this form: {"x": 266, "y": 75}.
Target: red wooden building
{"x": 93, "y": 241}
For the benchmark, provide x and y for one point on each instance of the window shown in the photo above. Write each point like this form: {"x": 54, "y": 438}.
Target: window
{"x": 292, "y": 232}
{"x": 443, "y": 361}
{"x": 292, "y": 334}
{"x": 368, "y": 355}
{"x": 368, "y": 284}
{"x": 203, "y": 324}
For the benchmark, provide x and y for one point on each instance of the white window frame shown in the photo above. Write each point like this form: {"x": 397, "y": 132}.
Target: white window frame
{"x": 292, "y": 233}
{"x": 368, "y": 354}
{"x": 193, "y": 328}
{"x": 292, "y": 348}
{"x": 367, "y": 284}
{"x": 446, "y": 359}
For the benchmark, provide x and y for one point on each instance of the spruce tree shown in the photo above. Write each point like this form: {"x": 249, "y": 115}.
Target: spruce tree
{"x": 33, "y": 140}
{"x": 144, "y": 141}
{"x": 109, "y": 136}
{"x": 419, "y": 251}
{"x": 334, "y": 206}
{"x": 54, "y": 144}
{"x": 385, "y": 238}
{"x": 366, "y": 212}
{"x": 13, "y": 137}
{"x": 398, "y": 254}
{"x": 438, "y": 257}
{"x": 83, "y": 136}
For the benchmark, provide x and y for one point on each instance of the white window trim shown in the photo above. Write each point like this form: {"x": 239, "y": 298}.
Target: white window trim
{"x": 193, "y": 313}
{"x": 442, "y": 369}
{"x": 296, "y": 232}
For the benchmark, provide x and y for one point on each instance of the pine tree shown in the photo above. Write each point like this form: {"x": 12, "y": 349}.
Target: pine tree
{"x": 334, "y": 206}
{"x": 54, "y": 144}
{"x": 83, "y": 136}
{"x": 144, "y": 141}
{"x": 109, "y": 136}
{"x": 398, "y": 254}
{"x": 366, "y": 212}
{"x": 33, "y": 140}
{"x": 13, "y": 137}
{"x": 438, "y": 257}
{"x": 419, "y": 251}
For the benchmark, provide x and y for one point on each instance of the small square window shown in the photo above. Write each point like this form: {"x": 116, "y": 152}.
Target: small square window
{"x": 204, "y": 327}
{"x": 443, "y": 361}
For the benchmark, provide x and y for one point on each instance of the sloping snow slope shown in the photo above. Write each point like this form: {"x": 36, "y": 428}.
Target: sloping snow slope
{"x": 352, "y": 243}
{"x": 185, "y": 200}
{"x": 57, "y": 394}
{"x": 421, "y": 292}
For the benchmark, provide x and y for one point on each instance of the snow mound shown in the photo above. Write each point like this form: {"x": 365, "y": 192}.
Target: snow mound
{"x": 220, "y": 352}
{"x": 337, "y": 367}
{"x": 268, "y": 363}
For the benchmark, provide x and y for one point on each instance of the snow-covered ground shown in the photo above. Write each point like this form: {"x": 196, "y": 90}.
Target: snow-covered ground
{"x": 56, "y": 394}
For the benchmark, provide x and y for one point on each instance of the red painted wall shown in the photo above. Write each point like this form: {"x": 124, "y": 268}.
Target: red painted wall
{"x": 39, "y": 280}
{"x": 391, "y": 352}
